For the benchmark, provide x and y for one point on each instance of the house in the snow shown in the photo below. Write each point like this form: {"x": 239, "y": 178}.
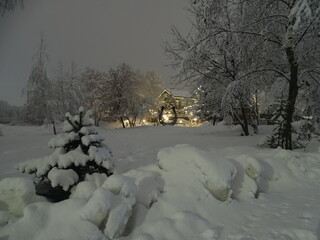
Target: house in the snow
{"x": 183, "y": 101}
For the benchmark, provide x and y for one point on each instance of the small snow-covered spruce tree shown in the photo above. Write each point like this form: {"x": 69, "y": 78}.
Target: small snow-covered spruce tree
{"x": 78, "y": 151}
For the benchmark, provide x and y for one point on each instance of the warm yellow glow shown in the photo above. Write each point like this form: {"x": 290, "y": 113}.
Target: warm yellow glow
{"x": 144, "y": 121}
{"x": 165, "y": 117}
{"x": 180, "y": 121}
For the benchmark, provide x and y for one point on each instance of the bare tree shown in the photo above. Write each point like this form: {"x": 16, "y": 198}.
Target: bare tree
{"x": 9, "y": 5}
{"x": 267, "y": 40}
{"x": 213, "y": 60}
{"x": 115, "y": 92}
{"x": 37, "y": 107}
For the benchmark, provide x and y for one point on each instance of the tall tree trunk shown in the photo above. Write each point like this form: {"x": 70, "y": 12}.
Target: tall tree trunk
{"x": 291, "y": 101}
{"x": 245, "y": 126}
{"x": 244, "y": 123}
{"x": 286, "y": 134}
{"x": 123, "y": 125}
{"x": 54, "y": 127}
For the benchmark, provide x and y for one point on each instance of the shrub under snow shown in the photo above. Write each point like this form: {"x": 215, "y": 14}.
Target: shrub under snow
{"x": 77, "y": 152}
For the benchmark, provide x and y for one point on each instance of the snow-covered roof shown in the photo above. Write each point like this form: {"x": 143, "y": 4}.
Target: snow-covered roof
{"x": 179, "y": 93}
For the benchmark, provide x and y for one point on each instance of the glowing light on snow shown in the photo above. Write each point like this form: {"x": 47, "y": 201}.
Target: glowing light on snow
{"x": 165, "y": 117}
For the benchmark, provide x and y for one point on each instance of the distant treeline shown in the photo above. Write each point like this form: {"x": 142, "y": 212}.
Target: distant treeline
{"x": 8, "y": 113}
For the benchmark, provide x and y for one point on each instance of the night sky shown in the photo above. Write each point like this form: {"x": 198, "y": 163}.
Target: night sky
{"x": 93, "y": 33}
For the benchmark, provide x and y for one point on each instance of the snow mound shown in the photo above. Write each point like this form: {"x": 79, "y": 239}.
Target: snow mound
{"x": 252, "y": 167}
{"x": 93, "y": 213}
{"x": 117, "y": 220}
{"x": 110, "y": 205}
{"x": 44, "y": 220}
{"x": 97, "y": 207}
{"x": 182, "y": 225}
{"x": 217, "y": 175}
{"x": 15, "y": 194}
{"x": 249, "y": 176}
{"x": 123, "y": 199}
{"x": 149, "y": 185}
{"x": 6, "y": 218}
{"x": 97, "y": 178}
{"x": 83, "y": 190}
{"x": 121, "y": 185}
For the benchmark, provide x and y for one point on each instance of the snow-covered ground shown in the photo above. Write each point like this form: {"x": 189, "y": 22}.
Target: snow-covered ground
{"x": 171, "y": 183}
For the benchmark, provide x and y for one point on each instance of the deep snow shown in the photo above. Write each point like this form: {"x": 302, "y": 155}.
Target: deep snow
{"x": 172, "y": 183}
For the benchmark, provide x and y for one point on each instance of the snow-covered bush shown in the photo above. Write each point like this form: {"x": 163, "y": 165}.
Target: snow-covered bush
{"x": 77, "y": 152}
{"x": 302, "y": 132}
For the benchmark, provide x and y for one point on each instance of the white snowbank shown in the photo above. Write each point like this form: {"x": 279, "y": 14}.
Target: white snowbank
{"x": 15, "y": 194}
{"x": 217, "y": 175}
{"x": 97, "y": 207}
{"x": 76, "y": 218}
{"x": 120, "y": 185}
{"x": 182, "y": 225}
{"x": 175, "y": 203}
{"x": 83, "y": 190}
{"x": 149, "y": 185}
{"x": 97, "y": 178}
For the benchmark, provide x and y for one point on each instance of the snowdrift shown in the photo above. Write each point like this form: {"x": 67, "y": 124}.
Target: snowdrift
{"x": 228, "y": 193}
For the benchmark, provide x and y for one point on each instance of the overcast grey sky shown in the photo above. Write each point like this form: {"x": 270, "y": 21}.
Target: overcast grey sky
{"x": 93, "y": 33}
